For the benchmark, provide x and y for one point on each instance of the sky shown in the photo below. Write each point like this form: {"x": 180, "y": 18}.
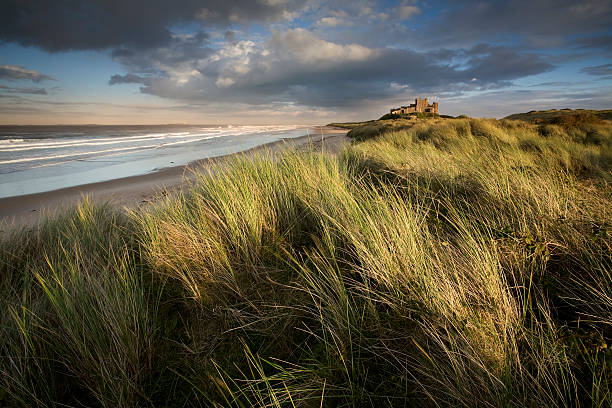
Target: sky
{"x": 297, "y": 61}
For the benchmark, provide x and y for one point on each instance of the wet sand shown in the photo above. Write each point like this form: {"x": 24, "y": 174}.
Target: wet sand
{"x": 134, "y": 191}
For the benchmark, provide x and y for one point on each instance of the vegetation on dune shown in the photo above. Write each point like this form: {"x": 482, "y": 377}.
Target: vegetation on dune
{"x": 349, "y": 125}
{"x": 438, "y": 262}
{"x": 563, "y": 115}
{"x": 412, "y": 115}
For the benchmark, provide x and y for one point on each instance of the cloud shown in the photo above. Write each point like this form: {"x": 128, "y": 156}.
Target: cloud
{"x": 555, "y": 84}
{"x": 599, "y": 42}
{"x": 100, "y": 24}
{"x": 600, "y": 70}
{"x": 306, "y": 47}
{"x": 299, "y": 68}
{"x": 30, "y": 91}
{"x": 539, "y": 23}
{"x": 535, "y": 24}
{"x": 127, "y": 79}
{"x": 503, "y": 103}
{"x": 15, "y": 72}
{"x": 180, "y": 53}
{"x": 405, "y": 12}
{"x": 332, "y": 22}
{"x": 494, "y": 63}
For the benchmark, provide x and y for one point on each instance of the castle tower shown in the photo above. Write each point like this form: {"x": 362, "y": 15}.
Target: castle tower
{"x": 420, "y": 104}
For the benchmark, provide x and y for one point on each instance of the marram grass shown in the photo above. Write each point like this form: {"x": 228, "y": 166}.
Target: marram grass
{"x": 445, "y": 262}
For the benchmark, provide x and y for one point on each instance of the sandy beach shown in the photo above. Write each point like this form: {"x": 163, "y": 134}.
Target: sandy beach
{"x": 132, "y": 192}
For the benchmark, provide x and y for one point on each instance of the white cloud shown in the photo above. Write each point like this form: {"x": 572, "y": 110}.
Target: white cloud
{"x": 15, "y": 72}
{"x": 306, "y": 47}
{"x": 330, "y": 22}
{"x": 406, "y": 12}
{"x": 223, "y": 82}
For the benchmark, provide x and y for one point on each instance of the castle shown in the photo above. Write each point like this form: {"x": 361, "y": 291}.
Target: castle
{"x": 419, "y": 105}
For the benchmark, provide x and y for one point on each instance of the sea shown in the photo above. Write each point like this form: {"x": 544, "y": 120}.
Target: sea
{"x": 35, "y": 159}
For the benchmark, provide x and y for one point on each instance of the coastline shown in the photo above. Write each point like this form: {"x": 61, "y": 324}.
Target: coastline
{"x": 135, "y": 191}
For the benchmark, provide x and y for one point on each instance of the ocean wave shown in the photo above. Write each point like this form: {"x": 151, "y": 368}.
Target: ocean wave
{"x": 101, "y": 153}
{"x": 94, "y": 142}
{"x": 7, "y": 141}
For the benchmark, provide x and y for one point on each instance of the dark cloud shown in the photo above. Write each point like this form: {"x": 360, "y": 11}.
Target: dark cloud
{"x": 601, "y": 42}
{"x": 99, "y": 24}
{"x": 492, "y": 63}
{"x": 539, "y": 23}
{"x": 122, "y": 52}
{"x": 432, "y": 25}
{"x": 127, "y": 79}
{"x": 180, "y": 50}
{"x": 551, "y": 84}
{"x": 30, "y": 91}
{"x": 600, "y": 70}
{"x": 14, "y": 72}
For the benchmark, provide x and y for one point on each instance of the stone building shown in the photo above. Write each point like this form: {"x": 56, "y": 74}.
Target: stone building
{"x": 419, "y": 105}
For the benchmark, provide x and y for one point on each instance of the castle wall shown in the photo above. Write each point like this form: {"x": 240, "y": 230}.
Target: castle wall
{"x": 419, "y": 105}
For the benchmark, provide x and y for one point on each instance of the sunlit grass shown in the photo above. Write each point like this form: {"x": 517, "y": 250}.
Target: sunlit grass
{"x": 442, "y": 262}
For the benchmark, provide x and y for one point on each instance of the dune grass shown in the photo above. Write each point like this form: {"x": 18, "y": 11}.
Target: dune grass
{"x": 444, "y": 262}
{"x": 77, "y": 314}
{"x": 553, "y": 115}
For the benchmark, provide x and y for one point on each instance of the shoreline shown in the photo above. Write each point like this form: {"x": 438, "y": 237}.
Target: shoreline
{"x": 135, "y": 191}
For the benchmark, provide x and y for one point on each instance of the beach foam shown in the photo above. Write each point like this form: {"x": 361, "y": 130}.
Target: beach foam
{"x": 36, "y": 160}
